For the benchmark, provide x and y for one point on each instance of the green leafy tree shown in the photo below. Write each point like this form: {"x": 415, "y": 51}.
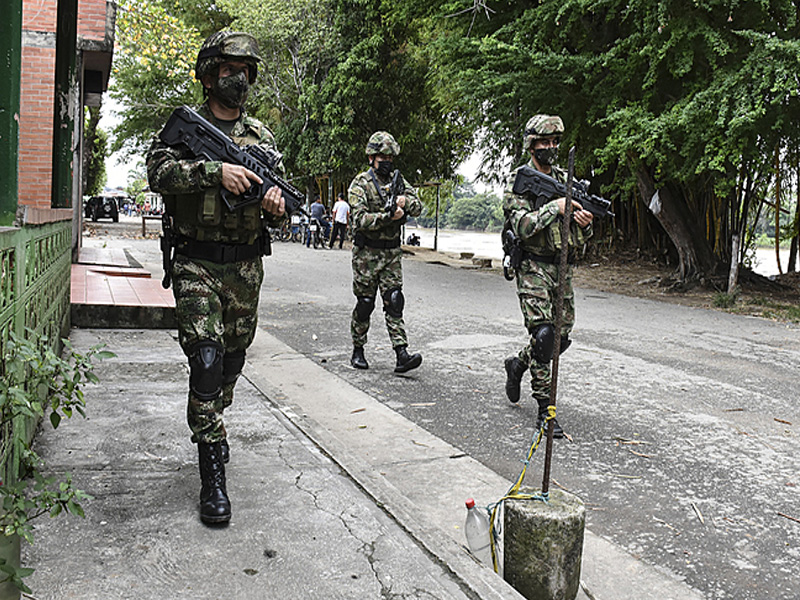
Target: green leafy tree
{"x": 204, "y": 16}
{"x": 95, "y": 150}
{"x": 380, "y": 81}
{"x": 298, "y": 45}
{"x": 137, "y": 183}
{"x": 334, "y": 72}
{"x": 690, "y": 99}
{"x": 153, "y": 70}
{"x": 481, "y": 212}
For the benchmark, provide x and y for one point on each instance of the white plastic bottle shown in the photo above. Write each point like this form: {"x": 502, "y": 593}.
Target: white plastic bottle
{"x": 476, "y": 529}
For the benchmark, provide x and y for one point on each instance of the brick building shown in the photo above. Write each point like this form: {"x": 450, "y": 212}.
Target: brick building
{"x": 55, "y": 59}
{"x": 41, "y": 84}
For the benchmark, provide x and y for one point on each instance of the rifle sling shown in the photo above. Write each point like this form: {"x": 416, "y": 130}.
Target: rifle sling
{"x": 377, "y": 185}
{"x": 217, "y": 252}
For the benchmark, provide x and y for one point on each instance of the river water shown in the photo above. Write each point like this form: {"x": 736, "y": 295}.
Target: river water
{"x": 487, "y": 245}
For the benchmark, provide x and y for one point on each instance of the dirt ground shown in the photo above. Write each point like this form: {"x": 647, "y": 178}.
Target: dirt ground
{"x": 777, "y": 299}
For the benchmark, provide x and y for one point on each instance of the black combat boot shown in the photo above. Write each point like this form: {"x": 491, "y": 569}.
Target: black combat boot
{"x": 515, "y": 369}
{"x": 226, "y": 451}
{"x": 357, "y": 360}
{"x": 406, "y": 361}
{"x": 558, "y": 432}
{"x": 214, "y": 504}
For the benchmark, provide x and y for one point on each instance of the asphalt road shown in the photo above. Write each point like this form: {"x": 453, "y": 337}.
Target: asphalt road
{"x": 683, "y": 422}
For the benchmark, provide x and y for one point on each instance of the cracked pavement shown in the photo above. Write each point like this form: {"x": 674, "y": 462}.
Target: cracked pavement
{"x": 300, "y": 528}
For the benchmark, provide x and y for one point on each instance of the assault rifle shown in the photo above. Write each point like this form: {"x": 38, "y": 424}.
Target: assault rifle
{"x": 396, "y": 189}
{"x": 531, "y": 181}
{"x": 185, "y": 126}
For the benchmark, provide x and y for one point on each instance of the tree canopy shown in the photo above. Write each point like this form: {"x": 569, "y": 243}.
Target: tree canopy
{"x": 153, "y": 71}
{"x": 684, "y": 112}
{"x": 687, "y": 98}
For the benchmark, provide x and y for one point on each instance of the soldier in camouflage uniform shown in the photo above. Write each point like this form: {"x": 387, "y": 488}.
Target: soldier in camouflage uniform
{"x": 377, "y": 253}
{"x": 537, "y": 224}
{"x": 217, "y": 269}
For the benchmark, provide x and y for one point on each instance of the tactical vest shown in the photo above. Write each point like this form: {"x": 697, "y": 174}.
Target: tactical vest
{"x": 204, "y": 216}
{"x": 375, "y": 204}
{"x": 547, "y": 242}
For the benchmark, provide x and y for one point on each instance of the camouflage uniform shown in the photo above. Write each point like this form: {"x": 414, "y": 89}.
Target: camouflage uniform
{"x": 539, "y": 231}
{"x": 215, "y": 302}
{"x": 377, "y": 269}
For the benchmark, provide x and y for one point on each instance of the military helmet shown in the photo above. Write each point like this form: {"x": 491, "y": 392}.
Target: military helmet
{"x": 227, "y": 45}
{"x": 542, "y": 126}
{"x": 382, "y": 142}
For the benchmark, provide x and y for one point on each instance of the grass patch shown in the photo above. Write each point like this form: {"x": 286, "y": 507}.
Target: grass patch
{"x": 725, "y": 300}
{"x": 771, "y": 309}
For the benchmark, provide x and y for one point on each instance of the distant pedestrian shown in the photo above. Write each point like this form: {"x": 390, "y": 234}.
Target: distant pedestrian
{"x": 377, "y": 255}
{"x": 536, "y": 222}
{"x": 317, "y": 213}
{"x": 341, "y": 213}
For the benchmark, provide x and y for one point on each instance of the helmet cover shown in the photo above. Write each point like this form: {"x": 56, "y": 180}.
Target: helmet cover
{"x": 382, "y": 142}
{"x": 227, "y": 45}
{"x": 542, "y": 126}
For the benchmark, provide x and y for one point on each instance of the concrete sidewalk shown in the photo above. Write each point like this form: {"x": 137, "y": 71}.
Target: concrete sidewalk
{"x": 334, "y": 495}
{"x": 301, "y": 527}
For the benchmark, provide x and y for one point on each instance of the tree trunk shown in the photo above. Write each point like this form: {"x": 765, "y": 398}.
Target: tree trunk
{"x": 733, "y": 276}
{"x": 778, "y": 208}
{"x": 89, "y": 137}
{"x": 792, "y": 265}
{"x": 694, "y": 254}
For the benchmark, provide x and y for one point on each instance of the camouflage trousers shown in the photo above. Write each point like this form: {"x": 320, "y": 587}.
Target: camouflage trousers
{"x": 377, "y": 270}
{"x": 537, "y": 288}
{"x": 217, "y": 303}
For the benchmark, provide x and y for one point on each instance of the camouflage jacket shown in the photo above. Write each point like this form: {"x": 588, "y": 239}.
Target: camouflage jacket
{"x": 536, "y": 222}
{"x": 367, "y": 207}
{"x": 191, "y": 187}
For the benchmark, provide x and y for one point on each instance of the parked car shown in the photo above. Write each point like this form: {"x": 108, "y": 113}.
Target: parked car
{"x": 102, "y": 207}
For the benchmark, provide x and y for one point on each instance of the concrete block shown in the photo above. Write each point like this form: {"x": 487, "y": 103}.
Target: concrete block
{"x": 543, "y": 544}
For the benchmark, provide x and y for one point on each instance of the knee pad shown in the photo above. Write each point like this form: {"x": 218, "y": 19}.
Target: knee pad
{"x": 205, "y": 370}
{"x": 364, "y": 307}
{"x": 544, "y": 340}
{"x": 393, "y": 302}
{"x": 232, "y": 365}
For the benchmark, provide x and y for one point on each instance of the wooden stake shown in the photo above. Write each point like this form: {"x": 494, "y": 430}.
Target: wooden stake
{"x": 559, "y": 316}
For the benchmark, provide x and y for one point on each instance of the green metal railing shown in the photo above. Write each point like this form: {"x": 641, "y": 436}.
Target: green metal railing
{"x": 35, "y": 269}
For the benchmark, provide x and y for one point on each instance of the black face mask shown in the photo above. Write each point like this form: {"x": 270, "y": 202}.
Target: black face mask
{"x": 546, "y": 156}
{"x": 232, "y": 90}
{"x": 385, "y": 168}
